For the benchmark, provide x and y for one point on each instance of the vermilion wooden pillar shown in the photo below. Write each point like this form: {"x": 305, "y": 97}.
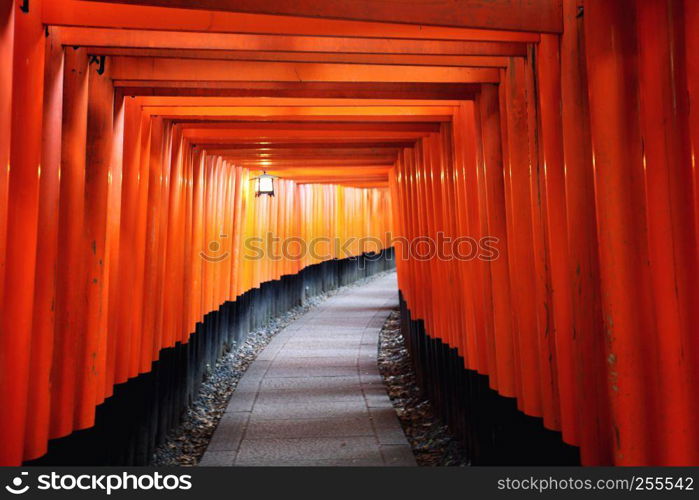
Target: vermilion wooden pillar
{"x": 503, "y": 356}
{"x": 522, "y": 272}
{"x": 464, "y": 152}
{"x": 7, "y": 39}
{"x": 236, "y": 241}
{"x": 136, "y": 356}
{"x": 670, "y": 200}
{"x": 628, "y": 310}
{"x": 472, "y": 160}
{"x": 691, "y": 41}
{"x": 172, "y": 280}
{"x": 113, "y": 239}
{"x": 128, "y": 285}
{"x": 100, "y": 174}
{"x": 70, "y": 282}
{"x": 558, "y": 360}
{"x": 39, "y": 406}
{"x": 161, "y": 257}
{"x": 454, "y": 220}
{"x": 586, "y": 400}
{"x": 485, "y": 331}
{"x": 689, "y": 38}
{"x": 485, "y": 155}
{"x": 540, "y": 245}
{"x": 16, "y": 318}
{"x": 149, "y": 325}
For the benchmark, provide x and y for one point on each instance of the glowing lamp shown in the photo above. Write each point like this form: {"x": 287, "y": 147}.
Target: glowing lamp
{"x": 264, "y": 184}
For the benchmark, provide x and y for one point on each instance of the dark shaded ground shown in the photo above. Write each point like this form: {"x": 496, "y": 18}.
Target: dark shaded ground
{"x": 432, "y": 443}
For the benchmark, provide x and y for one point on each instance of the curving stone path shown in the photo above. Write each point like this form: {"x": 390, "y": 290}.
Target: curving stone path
{"x": 314, "y": 396}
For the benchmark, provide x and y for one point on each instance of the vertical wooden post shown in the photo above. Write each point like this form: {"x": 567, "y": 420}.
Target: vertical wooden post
{"x": 70, "y": 285}
{"x": 586, "y": 398}
{"x": 522, "y": 272}
{"x": 669, "y": 173}
{"x": 7, "y": 40}
{"x": 501, "y": 367}
{"x": 617, "y": 149}
{"x": 99, "y": 172}
{"x": 39, "y": 405}
{"x": 22, "y": 220}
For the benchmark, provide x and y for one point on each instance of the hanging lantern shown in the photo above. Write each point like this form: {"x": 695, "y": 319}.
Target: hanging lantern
{"x": 264, "y": 184}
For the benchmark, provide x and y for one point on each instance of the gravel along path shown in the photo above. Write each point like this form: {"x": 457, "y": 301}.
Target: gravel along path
{"x": 187, "y": 443}
{"x": 432, "y": 443}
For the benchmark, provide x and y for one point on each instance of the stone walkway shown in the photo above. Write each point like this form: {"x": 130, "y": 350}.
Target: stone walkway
{"x": 314, "y": 396}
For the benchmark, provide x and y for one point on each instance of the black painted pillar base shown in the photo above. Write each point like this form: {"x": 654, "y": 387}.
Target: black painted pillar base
{"x": 492, "y": 429}
{"x": 135, "y": 420}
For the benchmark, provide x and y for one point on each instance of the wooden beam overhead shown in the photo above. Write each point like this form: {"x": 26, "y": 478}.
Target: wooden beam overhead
{"x": 199, "y": 119}
{"x": 346, "y": 175}
{"x": 338, "y": 128}
{"x": 314, "y": 90}
{"x": 301, "y": 141}
{"x": 303, "y": 148}
{"x": 112, "y": 15}
{"x": 301, "y": 179}
{"x": 313, "y": 57}
{"x": 355, "y": 184}
{"x": 154, "y": 69}
{"x": 174, "y": 40}
{"x": 370, "y": 113}
{"x": 222, "y": 136}
{"x": 303, "y": 113}
{"x": 314, "y": 163}
{"x": 285, "y": 102}
{"x": 305, "y": 153}
{"x": 530, "y": 15}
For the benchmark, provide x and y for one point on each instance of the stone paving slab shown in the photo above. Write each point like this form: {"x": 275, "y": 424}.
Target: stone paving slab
{"x": 310, "y": 428}
{"x": 270, "y": 451}
{"x": 349, "y": 393}
{"x": 314, "y": 395}
{"x": 312, "y": 385}
{"x": 297, "y": 409}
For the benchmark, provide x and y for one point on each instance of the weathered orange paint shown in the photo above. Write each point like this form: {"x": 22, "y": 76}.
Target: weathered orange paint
{"x": 586, "y": 425}
{"x": 618, "y": 163}
{"x": 669, "y": 199}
